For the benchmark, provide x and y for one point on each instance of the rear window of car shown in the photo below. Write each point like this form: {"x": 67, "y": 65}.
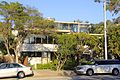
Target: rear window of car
{"x": 16, "y": 65}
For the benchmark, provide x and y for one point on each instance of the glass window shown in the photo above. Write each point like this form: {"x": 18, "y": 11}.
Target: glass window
{"x": 107, "y": 62}
{"x": 3, "y": 66}
{"x": 83, "y": 29}
{"x": 65, "y": 27}
{"x": 50, "y": 40}
{"x": 74, "y": 27}
{"x": 38, "y": 54}
{"x": 45, "y": 54}
{"x": 44, "y": 40}
{"x": 16, "y": 65}
{"x": 59, "y": 26}
{"x": 34, "y": 54}
{"x": 32, "y": 40}
{"x": 11, "y": 66}
{"x": 30, "y": 54}
{"x": 38, "y": 40}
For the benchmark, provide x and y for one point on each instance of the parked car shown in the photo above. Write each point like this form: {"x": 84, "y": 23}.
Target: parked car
{"x": 99, "y": 66}
{"x": 15, "y": 69}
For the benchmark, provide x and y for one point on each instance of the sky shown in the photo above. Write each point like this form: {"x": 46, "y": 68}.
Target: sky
{"x": 69, "y": 10}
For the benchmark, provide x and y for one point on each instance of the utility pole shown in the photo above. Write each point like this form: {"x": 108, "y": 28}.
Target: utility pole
{"x": 105, "y": 31}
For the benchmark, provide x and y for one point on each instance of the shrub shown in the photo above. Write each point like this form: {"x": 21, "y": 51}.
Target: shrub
{"x": 46, "y": 66}
{"x": 84, "y": 61}
{"x": 70, "y": 64}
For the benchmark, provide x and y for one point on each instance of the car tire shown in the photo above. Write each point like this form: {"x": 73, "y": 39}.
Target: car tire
{"x": 21, "y": 74}
{"x": 115, "y": 72}
{"x": 89, "y": 72}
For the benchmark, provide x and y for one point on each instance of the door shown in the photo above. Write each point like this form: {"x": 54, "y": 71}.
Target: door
{"x": 102, "y": 67}
{"x": 5, "y": 71}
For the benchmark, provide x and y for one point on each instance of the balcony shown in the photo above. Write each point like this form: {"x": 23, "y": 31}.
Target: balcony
{"x": 39, "y": 47}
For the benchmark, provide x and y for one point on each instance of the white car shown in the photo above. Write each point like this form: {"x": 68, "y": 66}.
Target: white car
{"x": 14, "y": 69}
{"x": 99, "y": 66}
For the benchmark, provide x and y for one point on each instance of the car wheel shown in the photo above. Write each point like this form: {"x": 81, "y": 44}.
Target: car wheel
{"x": 21, "y": 74}
{"x": 115, "y": 72}
{"x": 89, "y": 72}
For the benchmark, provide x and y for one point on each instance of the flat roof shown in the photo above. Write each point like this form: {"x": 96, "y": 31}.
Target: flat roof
{"x": 71, "y": 22}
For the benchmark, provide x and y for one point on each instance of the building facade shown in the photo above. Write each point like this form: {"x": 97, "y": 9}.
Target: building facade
{"x": 75, "y": 27}
{"x": 40, "y": 48}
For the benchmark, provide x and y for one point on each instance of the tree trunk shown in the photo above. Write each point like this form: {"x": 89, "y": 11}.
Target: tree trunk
{"x": 16, "y": 57}
{"x": 8, "y": 52}
{"x": 78, "y": 58}
{"x": 16, "y": 50}
{"x": 61, "y": 63}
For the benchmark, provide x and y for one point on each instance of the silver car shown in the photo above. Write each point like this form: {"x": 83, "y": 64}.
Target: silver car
{"x": 14, "y": 69}
{"x": 99, "y": 66}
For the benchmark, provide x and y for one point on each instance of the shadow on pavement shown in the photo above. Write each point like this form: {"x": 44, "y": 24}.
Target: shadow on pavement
{"x": 74, "y": 76}
{"x": 96, "y": 77}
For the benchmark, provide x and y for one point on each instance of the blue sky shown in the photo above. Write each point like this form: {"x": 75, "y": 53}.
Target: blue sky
{"x": 69, "y": 10}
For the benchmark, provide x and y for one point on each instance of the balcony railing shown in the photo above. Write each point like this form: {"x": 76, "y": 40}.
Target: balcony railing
{"x": 39, "y": 47}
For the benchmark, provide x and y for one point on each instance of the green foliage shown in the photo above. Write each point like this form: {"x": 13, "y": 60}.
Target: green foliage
{"x": 72, "y": 44}
{"x": 112, "y": 5}
{"x": 86, "y": 39}
{"x": 25, "y": 20}
{"x": 117, "y": 20}
{"x": 98, "y": 28}
{"x": 2, "y": 48}
{"x": 46, "y": 66}
{"x": 70, "y": 64}
{"x": 85, "y": 62}
{"x": 66, "y": 44}
{"x": 114, "y": 39}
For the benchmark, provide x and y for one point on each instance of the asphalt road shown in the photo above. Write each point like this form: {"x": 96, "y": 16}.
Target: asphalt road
{"x": 81, "y": 77}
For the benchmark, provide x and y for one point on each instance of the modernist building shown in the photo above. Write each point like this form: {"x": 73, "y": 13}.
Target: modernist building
{"x": 40, "y": 49}
{"x": 73, "y": 26}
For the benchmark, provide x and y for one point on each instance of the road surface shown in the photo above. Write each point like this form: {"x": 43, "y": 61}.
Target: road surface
{"x": 81, "y": 77}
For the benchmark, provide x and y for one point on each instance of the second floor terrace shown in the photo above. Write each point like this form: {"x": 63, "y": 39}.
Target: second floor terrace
{"x": 38, "y": 43}
{"x": 73, "y": 26}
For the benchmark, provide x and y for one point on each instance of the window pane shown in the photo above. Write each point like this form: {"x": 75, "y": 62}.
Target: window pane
{"x": 11, "y": 66}
{"x": 16, "y": 65}
{"x": 3, "y": 66}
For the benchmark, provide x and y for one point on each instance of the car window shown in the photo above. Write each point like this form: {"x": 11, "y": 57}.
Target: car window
{"x": 4, "y": 66}
{"x": 11, "y": 66}
{"x": 16, "y": 65}
{"x": 107, "y": 62}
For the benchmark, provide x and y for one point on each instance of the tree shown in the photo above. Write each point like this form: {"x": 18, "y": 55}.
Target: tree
{"x": 24, "y": 21}
{"x": 73, "y": 44}
{"x": 5, "y": 28}
{"x": 112, "y": 5}
{"x": 113, "y": 30}
{"x": 117, "y": 20}
{"x": 114, "y": 39}
{"x": 2, "y": 48}
{"x": 65, "y": 42}
{"x": 13, "y": 18}
{"x": 93, "y": 42}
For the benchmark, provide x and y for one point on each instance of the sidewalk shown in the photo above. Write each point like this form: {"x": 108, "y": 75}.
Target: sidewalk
{"x": 50, "y": 73}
